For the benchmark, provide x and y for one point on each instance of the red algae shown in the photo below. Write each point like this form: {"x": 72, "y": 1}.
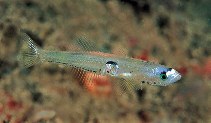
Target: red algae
{"x": 204, "y": 70}
{"x": 144, "y": 55}
{"x": 183, "y": 70}
{"x": 207, "y": 68}
{"x": 9, "y": 109}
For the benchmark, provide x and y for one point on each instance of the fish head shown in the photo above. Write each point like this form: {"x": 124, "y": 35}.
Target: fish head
{"x": 162, "y": 76}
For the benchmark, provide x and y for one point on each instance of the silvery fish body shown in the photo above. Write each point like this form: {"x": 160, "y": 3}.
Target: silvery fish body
{"x": 100, "y": 63}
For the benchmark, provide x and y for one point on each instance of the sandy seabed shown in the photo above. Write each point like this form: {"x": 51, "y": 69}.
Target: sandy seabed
{"x": 175, "y": 33}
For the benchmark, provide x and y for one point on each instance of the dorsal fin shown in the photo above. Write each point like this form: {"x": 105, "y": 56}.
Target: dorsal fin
{"x": 86, "y": 45}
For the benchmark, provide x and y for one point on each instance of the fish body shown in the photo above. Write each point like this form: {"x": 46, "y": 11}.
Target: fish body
{"x": 100, "y": 63}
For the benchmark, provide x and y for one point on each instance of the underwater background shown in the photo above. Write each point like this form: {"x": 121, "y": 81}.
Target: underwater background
{"x": 176, "y": 33}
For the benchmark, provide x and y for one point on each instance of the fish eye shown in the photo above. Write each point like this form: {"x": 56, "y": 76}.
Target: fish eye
{"x": 163, "y": 76}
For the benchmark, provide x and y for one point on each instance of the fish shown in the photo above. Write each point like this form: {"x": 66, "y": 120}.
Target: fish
{"x": 125, "y": 68}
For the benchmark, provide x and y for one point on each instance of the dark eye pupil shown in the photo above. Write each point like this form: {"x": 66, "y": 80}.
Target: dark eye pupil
{"x": 163, "y": 76}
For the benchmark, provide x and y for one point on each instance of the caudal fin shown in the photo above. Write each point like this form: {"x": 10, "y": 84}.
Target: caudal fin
{"x": 29, "y": 52}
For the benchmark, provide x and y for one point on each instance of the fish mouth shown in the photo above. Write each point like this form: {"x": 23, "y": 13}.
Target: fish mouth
{"x": 177, "y": 77}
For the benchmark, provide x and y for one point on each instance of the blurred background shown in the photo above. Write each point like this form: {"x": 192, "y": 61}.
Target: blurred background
{"x": 176, "y": 33}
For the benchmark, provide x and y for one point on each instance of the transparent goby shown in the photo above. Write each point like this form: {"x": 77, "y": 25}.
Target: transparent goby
{"x": 100, "y": 63}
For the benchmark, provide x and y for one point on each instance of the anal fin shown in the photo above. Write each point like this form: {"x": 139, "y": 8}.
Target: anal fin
{"x": 125, "y": 86}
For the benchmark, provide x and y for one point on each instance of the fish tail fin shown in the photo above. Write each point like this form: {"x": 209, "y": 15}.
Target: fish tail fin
{"x": 29, "y": 53}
